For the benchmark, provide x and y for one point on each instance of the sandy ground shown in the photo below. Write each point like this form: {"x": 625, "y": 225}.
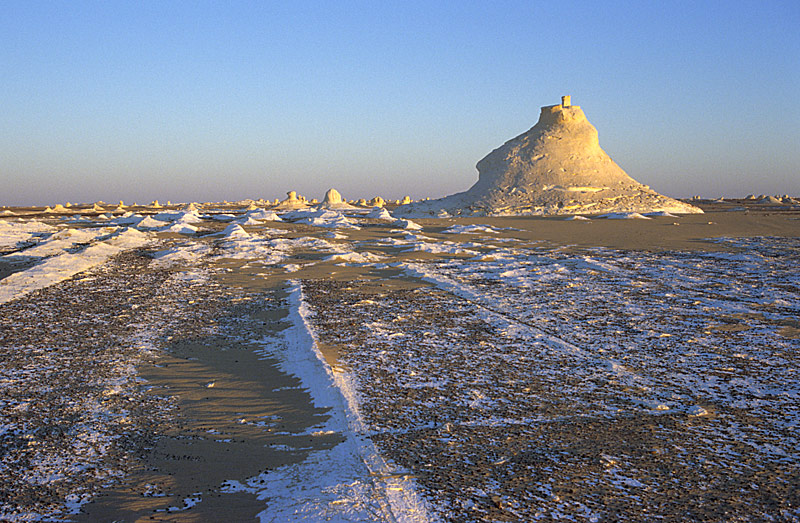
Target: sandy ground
{"x": 164, "y": 428}
{"x": 686, "y": 233}
{"x": 224, "y": 390}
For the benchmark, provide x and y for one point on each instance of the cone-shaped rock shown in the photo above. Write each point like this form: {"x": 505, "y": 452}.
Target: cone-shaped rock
{"x": 557, "y": 167}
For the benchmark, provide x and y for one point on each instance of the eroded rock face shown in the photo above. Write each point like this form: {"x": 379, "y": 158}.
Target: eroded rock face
{"x": 332, "y": 197}
{"x": 334, "y": 200}
{"x": 556, "y": 167}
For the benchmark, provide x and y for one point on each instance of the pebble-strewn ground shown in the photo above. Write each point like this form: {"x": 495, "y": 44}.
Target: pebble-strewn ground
{"x": 74, "y": 415}
{"x": 512, "y": 379}
{"x": 606, "y": 386}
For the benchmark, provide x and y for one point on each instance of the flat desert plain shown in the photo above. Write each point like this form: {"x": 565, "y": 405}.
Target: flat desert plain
{"x": 227, "y": 363}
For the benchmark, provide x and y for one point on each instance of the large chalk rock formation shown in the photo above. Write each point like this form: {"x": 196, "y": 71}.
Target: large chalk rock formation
{"x": 557, "y": 167}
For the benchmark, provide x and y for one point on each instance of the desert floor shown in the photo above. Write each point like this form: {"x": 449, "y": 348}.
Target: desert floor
{"x": 224, "y": 363}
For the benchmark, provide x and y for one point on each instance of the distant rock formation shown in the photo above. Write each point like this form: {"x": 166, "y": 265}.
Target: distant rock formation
{"x": 292, "y": 201}
{"x": 334, "y": 200}
{"x": 556, "y": 167}
{"x": 332, "y": 197}
{"x": 772, "y": 200}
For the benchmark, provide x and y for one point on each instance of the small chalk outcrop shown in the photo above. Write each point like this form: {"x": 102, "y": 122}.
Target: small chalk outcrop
{"x": 556, "y": 167}
{"x": 235, "y": 231}
{"x": 770, "y": 200}
{"x": 263, "y": 214}
{"x": 379, "y": 213}
{"x": 332, "y": 197}
{"x": 291, "y": 202}
{"x": 407, "y": 224}
{"x": 334, "y": 200}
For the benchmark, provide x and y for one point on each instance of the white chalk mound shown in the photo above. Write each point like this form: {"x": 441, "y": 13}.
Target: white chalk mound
{"x": 379, "y": 213}
{"x": 556, "y": 167}
{"x": 334, "y": 200}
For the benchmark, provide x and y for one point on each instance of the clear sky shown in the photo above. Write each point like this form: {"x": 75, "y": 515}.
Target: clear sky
{"x": 204, "y": 101}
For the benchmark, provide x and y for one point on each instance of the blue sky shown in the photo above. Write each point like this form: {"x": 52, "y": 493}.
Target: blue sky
{"x": 209, "y": 101}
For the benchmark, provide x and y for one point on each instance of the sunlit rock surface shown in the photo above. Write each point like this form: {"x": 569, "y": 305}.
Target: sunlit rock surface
{"x": 556, "y": 167}
{"x": 292, "y": 201}
{"x": 333, "y": 200}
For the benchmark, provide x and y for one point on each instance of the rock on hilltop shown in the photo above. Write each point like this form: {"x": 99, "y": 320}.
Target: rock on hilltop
{"x": 557, "y": 167}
